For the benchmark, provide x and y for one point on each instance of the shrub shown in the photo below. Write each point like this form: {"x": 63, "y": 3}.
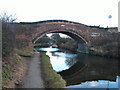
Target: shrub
{"x": 8, "y": 39}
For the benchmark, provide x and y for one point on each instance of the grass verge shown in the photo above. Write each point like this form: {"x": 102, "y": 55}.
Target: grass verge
{"x": 13, "y": 71}
{"x": 51, "y": 78}
{"x": 24, "y": 53}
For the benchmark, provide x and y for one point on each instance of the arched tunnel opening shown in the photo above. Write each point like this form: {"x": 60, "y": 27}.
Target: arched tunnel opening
{"x": 81, "y": 42}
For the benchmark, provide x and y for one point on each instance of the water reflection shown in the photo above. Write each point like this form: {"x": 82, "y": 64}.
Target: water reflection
{"x": 58, "y": 63}
{"x": 50, "y": 49}
{"x": 69, "y": 59}
{"x": 66, "y": 55}
{"x": 97, "y": 84}
{"x": 84, "y": 71}
{"x": 92, "y": 72}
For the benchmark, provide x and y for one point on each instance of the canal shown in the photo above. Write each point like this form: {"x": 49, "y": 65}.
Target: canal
{"x": 84, "y": 71}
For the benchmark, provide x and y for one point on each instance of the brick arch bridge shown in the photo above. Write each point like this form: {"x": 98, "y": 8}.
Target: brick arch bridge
{"x": 86, "y": 36}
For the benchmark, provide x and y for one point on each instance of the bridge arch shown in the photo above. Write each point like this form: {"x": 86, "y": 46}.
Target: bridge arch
{"x": 69, "y": 33}
{"x": 82, "y": 43}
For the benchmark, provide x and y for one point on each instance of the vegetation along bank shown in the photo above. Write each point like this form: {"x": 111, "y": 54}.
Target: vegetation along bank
{"x": 50, "y": 76}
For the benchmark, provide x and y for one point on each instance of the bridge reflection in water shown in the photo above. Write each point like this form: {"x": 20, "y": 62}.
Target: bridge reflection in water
{"x": 85, "y": 71}
{"x": 92, "y": 68}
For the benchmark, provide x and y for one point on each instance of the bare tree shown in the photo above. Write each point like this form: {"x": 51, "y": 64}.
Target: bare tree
{"x": 4, "y": 17}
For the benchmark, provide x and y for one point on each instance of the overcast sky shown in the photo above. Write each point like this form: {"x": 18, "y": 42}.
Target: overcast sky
{"x": 89, "y": 12}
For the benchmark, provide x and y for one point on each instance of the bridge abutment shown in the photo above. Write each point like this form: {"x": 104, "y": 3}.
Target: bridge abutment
{"x": 82, "y": 47}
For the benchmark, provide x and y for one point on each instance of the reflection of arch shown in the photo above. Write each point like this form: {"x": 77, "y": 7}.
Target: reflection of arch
{"x": 91, "y": 70}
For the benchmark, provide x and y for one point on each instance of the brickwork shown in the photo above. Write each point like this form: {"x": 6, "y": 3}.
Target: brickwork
{"x": 90, "y": 34}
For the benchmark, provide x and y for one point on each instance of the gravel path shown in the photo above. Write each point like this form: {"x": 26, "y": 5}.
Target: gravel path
{"x": 33, "y": 78}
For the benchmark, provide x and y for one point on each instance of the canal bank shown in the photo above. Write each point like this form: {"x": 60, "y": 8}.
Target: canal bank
{"x": 50, "y": 76}
{"x": 104, "y": 52}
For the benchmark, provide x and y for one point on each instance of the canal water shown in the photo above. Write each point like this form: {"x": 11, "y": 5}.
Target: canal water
{"x": 83, "y": 70}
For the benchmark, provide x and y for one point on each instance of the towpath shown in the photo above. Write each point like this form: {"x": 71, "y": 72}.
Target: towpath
{"x": 34, "y": 78}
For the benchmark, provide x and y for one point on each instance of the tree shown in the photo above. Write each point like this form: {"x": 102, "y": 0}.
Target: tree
{"x": 56, "y": 37}
{"x": 4, "y": 17}
{"x": 8, "y": 36}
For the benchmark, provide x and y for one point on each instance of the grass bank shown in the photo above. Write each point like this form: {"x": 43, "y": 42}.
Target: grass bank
{"x": 14, "y": 68}
{"x": 51, "y": 78}
{"x": 24, "y": 53}
{"x": 107, "y": 50}
{"x": 13, "y": 71}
